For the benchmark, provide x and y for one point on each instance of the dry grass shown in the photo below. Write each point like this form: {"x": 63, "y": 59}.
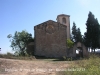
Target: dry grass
{"x": 26, "y": 67}
{"x": 89, "y": 66}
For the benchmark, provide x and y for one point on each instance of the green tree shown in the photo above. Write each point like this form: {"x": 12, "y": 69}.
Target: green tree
{"x": 88, "y": 33}
{"x": 91, "y": 36}
{"x": 20, "y": 41}
{"x": 95, "y": 35}
{"x": 74, "y": 32}
{"x": 76, "y": 35}
{"x": 79, "y": 36}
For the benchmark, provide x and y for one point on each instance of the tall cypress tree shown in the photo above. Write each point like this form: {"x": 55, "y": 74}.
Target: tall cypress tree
{"x": 91, "y": 37}
{"x": 79, "y": 36}
{"x": 76, "y": 34}
{"x": 95, "y": 38}
{"x": 88, "y": 33}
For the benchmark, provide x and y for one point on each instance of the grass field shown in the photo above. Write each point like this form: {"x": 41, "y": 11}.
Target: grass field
{"x": 89, "y": 66}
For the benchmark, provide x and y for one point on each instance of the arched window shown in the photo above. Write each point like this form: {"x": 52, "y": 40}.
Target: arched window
{"x": 64, "y": 20}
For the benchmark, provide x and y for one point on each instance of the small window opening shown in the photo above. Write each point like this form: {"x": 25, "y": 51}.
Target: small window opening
{"x": 64, "y": 20}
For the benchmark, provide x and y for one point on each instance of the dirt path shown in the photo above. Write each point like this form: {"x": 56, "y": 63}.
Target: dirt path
{"x": 33, "y": 67}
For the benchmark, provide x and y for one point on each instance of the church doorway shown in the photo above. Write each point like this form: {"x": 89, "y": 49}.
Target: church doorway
{"x": 79, "y": 52}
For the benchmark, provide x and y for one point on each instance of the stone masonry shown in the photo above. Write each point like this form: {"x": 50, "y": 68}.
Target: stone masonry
{"x": 50, "y": 39}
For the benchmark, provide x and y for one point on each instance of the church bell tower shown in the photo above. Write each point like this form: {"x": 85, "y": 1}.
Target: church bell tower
{"x": 65, "y": 20}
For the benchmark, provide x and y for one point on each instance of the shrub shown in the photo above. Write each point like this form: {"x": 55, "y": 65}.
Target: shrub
{"x": 70, "y": 43}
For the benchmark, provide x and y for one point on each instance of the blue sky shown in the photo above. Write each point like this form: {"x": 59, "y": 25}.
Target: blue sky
{"x": 18, "y": 15}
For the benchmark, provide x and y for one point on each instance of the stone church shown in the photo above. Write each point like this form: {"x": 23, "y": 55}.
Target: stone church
{"x": 50, "y": 37}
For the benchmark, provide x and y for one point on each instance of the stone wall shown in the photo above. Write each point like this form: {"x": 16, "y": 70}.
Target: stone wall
{"x": 72, "y": 51}
{"x": 50, "y": 39}
{"x": 30, "y": 48}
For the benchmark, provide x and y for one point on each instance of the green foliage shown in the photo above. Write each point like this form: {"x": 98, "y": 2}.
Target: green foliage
{"x": 70, "y": 43}
{"x": 74, "y": 32}
{"x": 76, "y": 35}
{"x": 20, "y": 41}
{"x": 79, "y": 35}
{"x": 91, "y": 36}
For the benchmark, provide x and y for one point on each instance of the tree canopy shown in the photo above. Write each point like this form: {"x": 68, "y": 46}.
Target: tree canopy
{"x": 76, "y": 35}
{"x": 20, "y": 41}
{"x": 91, "y": 36}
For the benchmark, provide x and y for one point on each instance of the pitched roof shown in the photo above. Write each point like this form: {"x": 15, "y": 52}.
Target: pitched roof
{"x": 49, "y": 21}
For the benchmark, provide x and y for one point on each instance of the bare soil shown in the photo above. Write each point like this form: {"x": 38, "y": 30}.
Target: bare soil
{"x": 31, "y": 67}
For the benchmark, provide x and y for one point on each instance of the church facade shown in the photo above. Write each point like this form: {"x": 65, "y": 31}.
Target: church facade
{"x": 50, "y": 37}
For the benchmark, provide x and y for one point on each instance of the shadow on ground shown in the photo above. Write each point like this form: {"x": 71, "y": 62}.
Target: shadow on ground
{"x": 59, "y": 59}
